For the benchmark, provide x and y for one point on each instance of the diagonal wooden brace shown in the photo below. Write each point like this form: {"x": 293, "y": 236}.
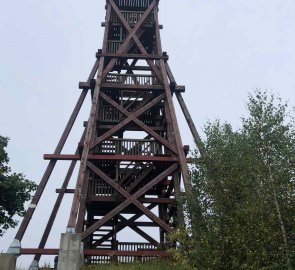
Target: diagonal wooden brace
{"x": 130, "y": 199}
{"x": 130, "y": 118}
{"x": 139, "y": 123}
{"x": 135, "y": 38}
{"x": 133, "y": 32}
{"x": 120, "y": 228}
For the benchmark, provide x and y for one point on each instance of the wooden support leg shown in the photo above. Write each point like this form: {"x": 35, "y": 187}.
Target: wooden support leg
{"x": 191, "y": 124}
{"x": 50, "y": 167}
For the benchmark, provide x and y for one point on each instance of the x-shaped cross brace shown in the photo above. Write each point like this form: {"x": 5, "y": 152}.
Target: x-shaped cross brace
{"x": 130, "y": 199}
{"x": 132, "y": 35}
{"x": 121, "y": 227}
{"x": 133, "y": 117}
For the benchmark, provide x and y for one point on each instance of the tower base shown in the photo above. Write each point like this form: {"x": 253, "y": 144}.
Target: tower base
{"x": 70, "y": 252}
{"x": 7, "y": 262}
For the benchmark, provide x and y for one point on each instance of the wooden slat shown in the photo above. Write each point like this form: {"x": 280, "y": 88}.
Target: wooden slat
{"x": 133, "y": 56}
{"x": 112, "y": 157}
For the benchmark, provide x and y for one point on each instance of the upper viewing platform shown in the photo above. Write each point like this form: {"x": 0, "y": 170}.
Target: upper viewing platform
{"x": 133, "y": 5}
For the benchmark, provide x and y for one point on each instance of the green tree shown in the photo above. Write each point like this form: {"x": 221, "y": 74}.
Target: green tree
{"x": 245, "y": 185}
{"x": 15, "y": 190}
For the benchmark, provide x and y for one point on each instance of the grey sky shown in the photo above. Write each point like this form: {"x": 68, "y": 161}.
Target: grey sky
{"x": 219, "y": 49}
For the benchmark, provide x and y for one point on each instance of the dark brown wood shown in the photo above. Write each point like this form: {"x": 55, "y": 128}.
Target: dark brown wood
{"x": 139, "y": 123}
{"x": 191, "y": 124}
{"x": 132, "y": 158}
{"x": 129, "y": 200}
{"x": 142, "y": 200}
{"x": 129, "y": 222}
{"x": 89, "y": 134}
{"x": 58, "y": 190}
{"x": 174, "y": 124}
{"x": 132, "y": 34}
{"x": 135, "y": 38}
{"x": 132, "y": 56}
{"x": 130, "y": 118}
{"x": 140, "y": 232}
{"x": 138, "y": 88}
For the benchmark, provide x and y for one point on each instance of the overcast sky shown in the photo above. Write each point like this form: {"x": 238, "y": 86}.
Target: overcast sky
{"x": 219, "y": 49}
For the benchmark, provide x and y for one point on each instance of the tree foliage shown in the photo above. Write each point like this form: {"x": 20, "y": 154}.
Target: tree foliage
{"x": 245, "y": 189}
{"x": 15, "y": 190}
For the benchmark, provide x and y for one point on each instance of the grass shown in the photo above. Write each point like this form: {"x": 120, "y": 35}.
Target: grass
{"x": 159, "y": 265}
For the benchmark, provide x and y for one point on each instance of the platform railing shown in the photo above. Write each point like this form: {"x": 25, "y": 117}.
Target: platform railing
{"x": 109, "y": 114}
{"x": 133, "y": 147}
{"x": 133, "y": 3}
{"x": 132, "y": 79}
{"x": 132, "y": 17}
{"x": 98, "y": 187}
{"x": 113, "y": 46}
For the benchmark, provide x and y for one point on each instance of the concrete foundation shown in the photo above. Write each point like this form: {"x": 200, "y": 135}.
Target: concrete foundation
{"x": 34, "y": 265}
{"x": 7, "y": 261}
{"x": 70, "y": 251}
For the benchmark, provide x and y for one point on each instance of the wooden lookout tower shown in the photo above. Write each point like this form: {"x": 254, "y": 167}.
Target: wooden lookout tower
{"x": 132, "y": 162}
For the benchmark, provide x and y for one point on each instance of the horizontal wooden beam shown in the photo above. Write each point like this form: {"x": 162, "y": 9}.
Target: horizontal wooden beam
{"x": 98, "y": 252}
{"x": 137, "y": 87}
{"x": 179, "y": 89}
{"x": 131, "y": 128}
{"x": 128, "y": 223}
{"x": 94, "y": 198}
{"x": 140, "y": 253}
{"x": 58, "y": 190}
{"x": 40, "y": 251}
{"x": 112, "y": 157}
{"x": 87, "y": 85}
{"x": 145, "y": 68}
{"x": 133, "y": 56}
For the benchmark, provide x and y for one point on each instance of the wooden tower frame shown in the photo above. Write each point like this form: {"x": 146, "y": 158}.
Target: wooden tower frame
{"x": 132, "y": 160}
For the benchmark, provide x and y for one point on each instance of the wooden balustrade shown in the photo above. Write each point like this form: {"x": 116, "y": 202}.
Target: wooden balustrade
{"x": 131, "y": 147}
{"x": 109, "y": 114}
{"x": 132, "y": 17}
{"x": 132, "y": 79}
{"x": 133, "y": 3}
{"x": 113, "y": 46}
{"x": 122, "y": 246}
{"x": 99, "y": 188}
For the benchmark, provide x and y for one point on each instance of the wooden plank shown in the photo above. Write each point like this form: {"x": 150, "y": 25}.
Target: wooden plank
{"x": 133, "y": 56}
{"x": 67, "y": 157}
{"x": 39, "y": 251}
{"x": 138, "y": 87}
{"x": 132, "y": 128}
{"x": 111, "y": 199}
{"x": 58, "y": 190}
{"x": 61, "y": 157}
